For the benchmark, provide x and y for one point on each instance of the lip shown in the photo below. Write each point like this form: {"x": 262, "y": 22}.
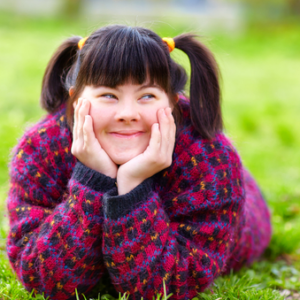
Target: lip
{"x": 126, "y": 134}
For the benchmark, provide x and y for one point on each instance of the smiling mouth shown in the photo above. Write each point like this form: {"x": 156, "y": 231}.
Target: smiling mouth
{"x": 127, "y": 135}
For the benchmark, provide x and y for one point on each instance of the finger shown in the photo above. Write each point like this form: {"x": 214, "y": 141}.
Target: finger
{"x": 79, "y": 118}
{"x": 164, "y": 126}
{"x": 155, "y": 139}
{"x": 76, "y": 109}
{"x": 75, "y": 104}
{"x": 88, "y": 131}
{"x": 83, "y": 111}
{"x": 172, "y": 130}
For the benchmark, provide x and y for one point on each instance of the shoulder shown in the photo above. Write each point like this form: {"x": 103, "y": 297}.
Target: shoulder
{"x": 50, "y": 126}
{"x": 211, "y": 165}
{"x": 218, "y": 151}
{"x": 42, "y": 142}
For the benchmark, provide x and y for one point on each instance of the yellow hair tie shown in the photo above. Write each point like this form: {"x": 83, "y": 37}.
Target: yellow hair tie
{"x": 82, "y": 42}
{"x": 170, "y": 42}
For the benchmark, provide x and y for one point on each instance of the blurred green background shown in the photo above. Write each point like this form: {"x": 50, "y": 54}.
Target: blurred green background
{"x": 258, "y": 51}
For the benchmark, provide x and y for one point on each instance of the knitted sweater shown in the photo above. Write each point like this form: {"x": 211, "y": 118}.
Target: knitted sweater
{"x": 185, "y": 225}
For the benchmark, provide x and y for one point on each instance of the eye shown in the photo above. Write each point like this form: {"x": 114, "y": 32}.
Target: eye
{"x": 109, "y": 96}
{"x": 147, "y": 97}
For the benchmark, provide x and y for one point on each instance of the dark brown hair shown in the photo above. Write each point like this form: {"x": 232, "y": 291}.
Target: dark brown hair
{"x": 117, "y": 54}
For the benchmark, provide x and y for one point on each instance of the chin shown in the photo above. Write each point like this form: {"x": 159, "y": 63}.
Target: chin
{"x": 122, "y": 159}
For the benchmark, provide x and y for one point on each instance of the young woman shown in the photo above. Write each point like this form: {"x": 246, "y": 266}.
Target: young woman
{"x": 126, "y": 179}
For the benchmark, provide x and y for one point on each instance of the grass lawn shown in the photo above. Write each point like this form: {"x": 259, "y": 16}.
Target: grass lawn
{"x": 261, "y": 106}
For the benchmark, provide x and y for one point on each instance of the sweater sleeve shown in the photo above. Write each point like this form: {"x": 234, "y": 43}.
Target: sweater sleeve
{"x": 55, "y": 237}
{"x": 179, "y": 230}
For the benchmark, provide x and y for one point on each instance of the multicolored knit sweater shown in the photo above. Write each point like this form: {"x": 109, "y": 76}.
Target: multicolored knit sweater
{"x": 184, "y": 226}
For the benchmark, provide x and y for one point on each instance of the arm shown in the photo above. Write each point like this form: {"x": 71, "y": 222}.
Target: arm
{"x": 182, "y": 230}
{"x": 55, "y": 237}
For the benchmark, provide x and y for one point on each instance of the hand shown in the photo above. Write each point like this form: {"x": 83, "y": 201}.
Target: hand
{"x": 156, "y": 157}
{"x": 85, "y": 146}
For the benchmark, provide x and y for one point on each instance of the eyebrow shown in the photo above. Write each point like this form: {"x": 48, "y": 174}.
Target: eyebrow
{"x": 144, "y": 86}
{"x": 149, "y": 85}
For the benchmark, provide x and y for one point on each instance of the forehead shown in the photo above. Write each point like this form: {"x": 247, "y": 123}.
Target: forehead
{"x": 127, "y": 87}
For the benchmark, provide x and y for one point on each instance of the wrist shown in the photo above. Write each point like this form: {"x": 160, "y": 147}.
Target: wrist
{"x": 126, "y": 184}
{"x": 110, "y": 172}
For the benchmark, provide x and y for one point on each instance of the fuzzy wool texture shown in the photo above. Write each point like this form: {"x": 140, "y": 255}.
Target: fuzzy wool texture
{"x": 185, "y": 226}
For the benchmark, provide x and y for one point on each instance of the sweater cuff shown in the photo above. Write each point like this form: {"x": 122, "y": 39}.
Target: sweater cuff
{"x": 92, "y": 179}
{"x": 116, "y": 206}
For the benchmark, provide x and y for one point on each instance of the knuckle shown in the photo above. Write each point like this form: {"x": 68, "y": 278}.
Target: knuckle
{"x": 85, "y": 127}
{"x": 166, "y": 120}
{"x": 81, "y": 147}
{"x": 154, "y": 161}
{"x": 85, "y": 148}
{"x": 81, "y": 109}
{"x": 166, "y": 162}
{"x": 80, "y": 152}
{"x": 77, "y": 111}
{"x": 161, "y": 161}
{"x": 74, "y": 150}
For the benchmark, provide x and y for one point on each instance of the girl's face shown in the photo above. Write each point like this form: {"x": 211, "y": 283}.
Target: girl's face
{"x": 123, "y": 116}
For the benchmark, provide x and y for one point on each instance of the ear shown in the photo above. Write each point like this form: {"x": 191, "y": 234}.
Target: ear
{"x": 176, "y": 98}
{"x": 71, "y": 91}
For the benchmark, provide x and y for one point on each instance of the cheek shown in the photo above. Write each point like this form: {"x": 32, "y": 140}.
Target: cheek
{"x": 100, "y": 118}
{"x": 151, "y": 116}
{"x": 148, "y": 119}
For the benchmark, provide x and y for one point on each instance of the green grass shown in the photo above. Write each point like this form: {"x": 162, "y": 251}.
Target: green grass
{"x": 261, "y": 106}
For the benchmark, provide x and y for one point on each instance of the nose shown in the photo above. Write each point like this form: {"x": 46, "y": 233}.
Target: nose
{"x": 127, "y": 113}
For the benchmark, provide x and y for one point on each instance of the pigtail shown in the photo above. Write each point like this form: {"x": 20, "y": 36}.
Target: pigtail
{"x": 54, "y": 92}
{"x": 205, "y": 106}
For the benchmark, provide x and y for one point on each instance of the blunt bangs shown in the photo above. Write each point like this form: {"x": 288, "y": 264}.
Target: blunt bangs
{"x": 116, "y": 55}
{"x": 125, "y": 54}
